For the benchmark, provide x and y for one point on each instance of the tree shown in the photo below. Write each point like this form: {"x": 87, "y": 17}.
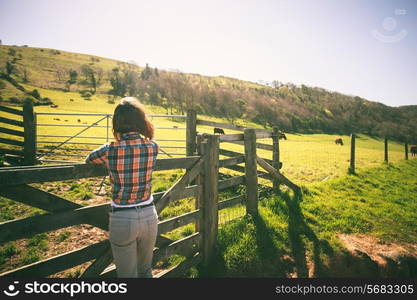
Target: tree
{"x": 73, "y": 76}
{"x": 92, "y": 76}
{"x": 25, "y": 75}
{"x": 10, "y": 68}
{"x": 146, "y": 73}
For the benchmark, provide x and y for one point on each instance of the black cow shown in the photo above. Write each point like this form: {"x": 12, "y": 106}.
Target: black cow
{"x": 413, "y": 150}
{"x": 338, "y": 141}
{"x": 218, "y": 130}
{"x": 282, "y": 135}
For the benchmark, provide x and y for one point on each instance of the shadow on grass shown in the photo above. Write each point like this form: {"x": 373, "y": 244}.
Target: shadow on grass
{"x": 298, "y": 232}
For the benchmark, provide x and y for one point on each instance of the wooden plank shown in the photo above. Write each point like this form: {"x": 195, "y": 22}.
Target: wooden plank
{"x": 220, "y": 125}
{"x": 38, "y": 198}
{"x": 231, "y": 161}
{"x": 175, "y": 222}
{"x": 352, "y": 153}
{"x": 251, "y": 175}
{"x": 263, "y": 134}
{"x": 11, "y": 151}
{"x": 229, "y": 153}
{"x": 231, "y": 202}
{"x": 100, "y": 264}
{"x": 275, "y": 155}
{"x": 186, "y": 246}
{"x": 231, "y": 137}
{"x": 176, "y": 163}
{"x": 188, "y": 192}
{"x": 406, "y": 151}
{"x": 26, "y": 227}
{"x": 258, "y": 145}
{"x": 278, "y": 175}
{"x": 11, "y": 142}
{"x": 58, "y": 263}
{"x": 179, "y": 270}
{"x": 227, "y": 183}
{"x": 242, "y": 170}
{"x": 210, "y": 216}
{"x": 179, "y": 186}
{"x": 11, "y": 122}
{"x": 12, "y": 131}
{"x": 29, "y": 125}
{"x": 11, "y": 110}
{"x": 25, "y": 175}
{"x": 191, "y": 133}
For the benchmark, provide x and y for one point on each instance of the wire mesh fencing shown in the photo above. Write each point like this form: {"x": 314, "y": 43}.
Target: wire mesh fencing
{"x": 71, "y": 136}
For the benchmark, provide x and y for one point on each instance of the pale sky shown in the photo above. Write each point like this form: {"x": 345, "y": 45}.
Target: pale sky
{"x": 366, "y": 48}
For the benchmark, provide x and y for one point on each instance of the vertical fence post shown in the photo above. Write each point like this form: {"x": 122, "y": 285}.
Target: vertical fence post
{"x": 275, "y": 154}
{"x": 352, "y": 153}
{"x": 251, "y": 176}
{"x": 199, "y": 183}
{"x": 406, "y": 150}
{"x": 191, "y": 132}
{"x": 386, "y": 150}
{"x": 107, "y": 128}
{"x": 209, "y": 203}
{"x": 29, "y": 126}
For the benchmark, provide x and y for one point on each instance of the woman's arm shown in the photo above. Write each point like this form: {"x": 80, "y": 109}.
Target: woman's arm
{"x": 98, "y": 156}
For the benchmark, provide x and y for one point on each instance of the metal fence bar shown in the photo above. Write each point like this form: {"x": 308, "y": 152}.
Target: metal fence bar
{"x": 74, "y": 143}
{"x": 108, "y": 115}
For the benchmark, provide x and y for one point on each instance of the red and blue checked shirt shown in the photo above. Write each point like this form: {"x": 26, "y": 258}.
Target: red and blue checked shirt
{"x": 130, "y": 163}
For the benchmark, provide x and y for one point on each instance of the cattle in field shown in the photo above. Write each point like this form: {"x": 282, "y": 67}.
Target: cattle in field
{"x": 338, "y": 141}
{"x": 78, "y": 120}
{"x": 54, "y": 106}
{"x": 413, "y": 150}
{"x": 282, "y": 135}
{"x": 72, "y": 100}
{"x": 218, "y": 130}
{"x": 57, "y": 119}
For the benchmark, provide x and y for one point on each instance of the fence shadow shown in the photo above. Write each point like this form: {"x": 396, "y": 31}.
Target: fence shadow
{"x": 299, "y": 233}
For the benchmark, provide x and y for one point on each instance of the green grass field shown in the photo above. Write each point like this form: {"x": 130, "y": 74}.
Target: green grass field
{"x": 311, "y": 160}
{"x": 290, "y": 236}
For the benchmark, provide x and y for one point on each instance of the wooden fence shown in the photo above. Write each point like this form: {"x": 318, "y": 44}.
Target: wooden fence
{"x": 199, "y": 181}
{"x": 23, "y": 123}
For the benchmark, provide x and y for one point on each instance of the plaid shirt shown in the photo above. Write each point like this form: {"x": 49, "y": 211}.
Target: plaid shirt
{"x": 130, "y": 162}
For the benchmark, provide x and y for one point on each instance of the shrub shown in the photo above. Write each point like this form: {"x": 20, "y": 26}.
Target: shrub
{"x": 9, "y": 250}
{"x": 86, "y": 94}
{"x": 14, "y": 100}
{"x": 35, "y": 94}
{"x": 30, "y": 256}
{"x": 63, "y": 236}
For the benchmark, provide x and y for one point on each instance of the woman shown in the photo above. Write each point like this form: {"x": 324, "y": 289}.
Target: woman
{"x": 130, "y": 161}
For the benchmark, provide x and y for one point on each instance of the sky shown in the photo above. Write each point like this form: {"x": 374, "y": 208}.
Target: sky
{"x": 365, "y": 48}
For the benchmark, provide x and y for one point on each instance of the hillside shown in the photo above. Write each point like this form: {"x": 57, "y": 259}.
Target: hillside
{"x": 292, "y": 108}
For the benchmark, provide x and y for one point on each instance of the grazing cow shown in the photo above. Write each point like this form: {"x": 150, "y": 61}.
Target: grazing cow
{"x": 66, "y": 120}
{"x": 175, "y": 126}
{"x": 71, "y": 100}
{"x": 338, "y": 141}
{"x": 54, "y": 106}
{"x": 79, "y": 120}
{"x": 413, "y": 150}
{"x": 57, "y": 119}
{"x": 282, "y": 135}
{"x": 218, "y": 130}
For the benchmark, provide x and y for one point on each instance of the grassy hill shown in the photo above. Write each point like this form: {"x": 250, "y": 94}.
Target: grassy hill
{"x": 292, "y": 108}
